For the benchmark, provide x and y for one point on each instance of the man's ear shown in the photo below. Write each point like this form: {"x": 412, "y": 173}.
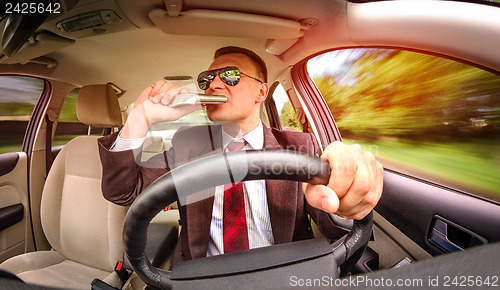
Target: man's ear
{"x": 264, "y": 90}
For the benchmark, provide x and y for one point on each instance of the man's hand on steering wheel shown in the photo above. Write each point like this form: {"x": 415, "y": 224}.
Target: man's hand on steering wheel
{"x": 355, "y": 184}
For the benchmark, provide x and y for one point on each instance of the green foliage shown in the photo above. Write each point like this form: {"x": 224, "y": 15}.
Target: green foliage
{"x": 288, "y": 118}
{"x": 68, "y": 111}
{"x": 472, "y": 167}
{"x": 424, "y": 115}
{"x": 16, "y": 109}
{"x": 408, "y": 94}
{"x": 12, "y": 144}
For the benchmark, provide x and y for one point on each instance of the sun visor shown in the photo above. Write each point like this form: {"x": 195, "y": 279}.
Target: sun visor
{"x": 225, "y": 23}
{"x": 44, "y": 43}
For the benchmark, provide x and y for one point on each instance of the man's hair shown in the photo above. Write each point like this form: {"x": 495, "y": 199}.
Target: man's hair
{"x": 257, "y": 60}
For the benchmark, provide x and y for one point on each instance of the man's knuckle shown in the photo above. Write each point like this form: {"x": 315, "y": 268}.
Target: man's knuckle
{"x": 371, "y": 200}
{"x": 334, "y": 146}
{"x": 362, "y": 186}
{"x": 356, "y": 147}
{"x": 369, "y": 156}
{"x": 380, "y": 168}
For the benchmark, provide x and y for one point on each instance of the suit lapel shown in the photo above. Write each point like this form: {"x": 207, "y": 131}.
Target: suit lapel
{"x": 281, "y": 201}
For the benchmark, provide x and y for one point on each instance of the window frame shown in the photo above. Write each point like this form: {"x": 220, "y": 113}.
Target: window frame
{"x": 321, "y": 118}
{"x": 270, "y": 107}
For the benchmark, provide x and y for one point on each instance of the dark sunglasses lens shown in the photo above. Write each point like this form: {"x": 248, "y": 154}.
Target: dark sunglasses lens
{"x": 205, "y": 78}
{"x": 230, "y": 76}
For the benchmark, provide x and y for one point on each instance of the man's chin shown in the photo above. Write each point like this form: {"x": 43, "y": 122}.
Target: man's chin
{"x": 219, "y": 119}
{"x": 214, "y": 113}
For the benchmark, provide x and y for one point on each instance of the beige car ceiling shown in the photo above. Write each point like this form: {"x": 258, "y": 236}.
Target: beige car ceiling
{"x": 154, "y": 39}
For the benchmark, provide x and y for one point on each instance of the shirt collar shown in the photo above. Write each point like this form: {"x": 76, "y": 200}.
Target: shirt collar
{"x": 255, "y": 138}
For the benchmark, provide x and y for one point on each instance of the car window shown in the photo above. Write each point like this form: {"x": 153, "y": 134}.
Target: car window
{"x": 68, "y": 125}
{"x": 419, "y": 114}
{"x": 287, "y": 116}
{"x": 18, "y": 96}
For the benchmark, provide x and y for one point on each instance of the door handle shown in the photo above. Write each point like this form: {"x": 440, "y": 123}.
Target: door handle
{"x": 11, "y": 215}
{"x": 450, "y": 237}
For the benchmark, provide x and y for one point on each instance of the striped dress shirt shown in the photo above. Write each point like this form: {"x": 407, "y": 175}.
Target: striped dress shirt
{"x": 260, "y": 233}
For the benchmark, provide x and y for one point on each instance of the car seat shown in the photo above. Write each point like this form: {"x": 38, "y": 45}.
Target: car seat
{"x": 83, "y": 229}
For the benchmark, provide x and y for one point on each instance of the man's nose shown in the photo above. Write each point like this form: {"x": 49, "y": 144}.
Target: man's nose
{"x": 217, "y": 83}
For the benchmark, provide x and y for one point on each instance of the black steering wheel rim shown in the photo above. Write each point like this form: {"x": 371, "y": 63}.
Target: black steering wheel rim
{"x": 181, "y": 183}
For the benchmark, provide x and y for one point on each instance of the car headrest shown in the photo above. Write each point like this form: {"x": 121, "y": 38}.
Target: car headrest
{"x": 97, "y": 106}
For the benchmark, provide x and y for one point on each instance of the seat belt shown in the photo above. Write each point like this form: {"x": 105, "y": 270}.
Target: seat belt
{"x": 48, "y": 142}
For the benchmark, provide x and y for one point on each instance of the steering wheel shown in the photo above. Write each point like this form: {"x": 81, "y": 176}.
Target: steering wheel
{"x": 180, "y": 184}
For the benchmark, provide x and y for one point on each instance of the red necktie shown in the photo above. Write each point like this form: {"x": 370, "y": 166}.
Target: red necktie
{"x": 235, "y": 232}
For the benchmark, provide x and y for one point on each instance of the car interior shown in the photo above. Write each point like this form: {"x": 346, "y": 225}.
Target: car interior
{"x": 70, "y": 71}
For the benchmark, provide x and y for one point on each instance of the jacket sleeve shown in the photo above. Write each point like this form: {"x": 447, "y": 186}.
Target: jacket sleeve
{"x": 123, "y": 175}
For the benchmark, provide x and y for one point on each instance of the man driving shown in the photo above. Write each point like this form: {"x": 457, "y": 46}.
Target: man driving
{"x": 245, "y": 215}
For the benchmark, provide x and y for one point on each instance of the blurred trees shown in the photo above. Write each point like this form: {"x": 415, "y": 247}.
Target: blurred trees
{"x": 288, "y": 118}
{"x": 426, "y": 115}
{"x": 16, "y": 109}
{"x": 68, "y": 110}
{"x": 405, "y": 94}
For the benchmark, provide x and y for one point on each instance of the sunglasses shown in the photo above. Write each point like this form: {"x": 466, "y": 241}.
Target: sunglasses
{"x": 229, "y": 75}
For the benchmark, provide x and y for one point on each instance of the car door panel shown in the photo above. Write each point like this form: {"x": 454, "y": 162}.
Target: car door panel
{"x": 14, "y": 217}
{"x": 414, "y": 206}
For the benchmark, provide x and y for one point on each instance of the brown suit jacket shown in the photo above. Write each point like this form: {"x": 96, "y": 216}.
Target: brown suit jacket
{"x": 124, "y": 179}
